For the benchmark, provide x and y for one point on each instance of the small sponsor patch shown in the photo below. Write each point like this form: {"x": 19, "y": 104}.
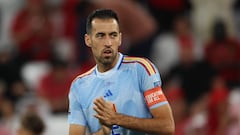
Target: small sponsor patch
{"x": 154, "y": 96}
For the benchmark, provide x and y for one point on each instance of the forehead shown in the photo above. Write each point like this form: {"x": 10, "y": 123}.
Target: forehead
{"x": 105, "y": 25}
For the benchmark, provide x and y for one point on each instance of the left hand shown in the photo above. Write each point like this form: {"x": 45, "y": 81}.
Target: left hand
{"x": 105, "y": 112}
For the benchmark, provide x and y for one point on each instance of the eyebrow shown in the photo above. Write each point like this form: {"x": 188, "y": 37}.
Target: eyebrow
{"x": 103, "y": 33}
{"x": 100, "y": 33}
{"x": 113, "y": 33}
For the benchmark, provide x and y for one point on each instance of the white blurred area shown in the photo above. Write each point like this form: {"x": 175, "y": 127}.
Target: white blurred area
{"x": 8, "y": 10}
{"x": 33, "y": 71}
{"x": 57, "y": 125}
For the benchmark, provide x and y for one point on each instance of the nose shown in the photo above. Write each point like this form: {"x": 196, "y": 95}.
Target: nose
{"x": 108, "y": 42}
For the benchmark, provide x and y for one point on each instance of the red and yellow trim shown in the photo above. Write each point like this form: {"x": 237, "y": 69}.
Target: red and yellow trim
{"x": 143, "y": 61}
{"x": 84, "y": 74}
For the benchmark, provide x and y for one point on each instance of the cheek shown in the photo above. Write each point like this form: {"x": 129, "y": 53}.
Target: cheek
{"x": 97, "y": 46}
{"x": 118, "y": 43}
{"x": 115, "y": 47}
{"x": 96, "y": 50}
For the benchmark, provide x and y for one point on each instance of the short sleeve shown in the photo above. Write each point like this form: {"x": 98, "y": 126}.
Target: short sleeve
{"x": 75, "y": 113}
{"x": 150, "y": 84}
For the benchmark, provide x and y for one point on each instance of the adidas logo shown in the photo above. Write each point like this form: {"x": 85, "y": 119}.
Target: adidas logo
{"x": 108, "y": 93}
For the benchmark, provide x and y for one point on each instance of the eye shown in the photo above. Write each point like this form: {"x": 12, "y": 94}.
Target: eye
{"x": 113, "y": 35}
{"x": 100, "y": 35}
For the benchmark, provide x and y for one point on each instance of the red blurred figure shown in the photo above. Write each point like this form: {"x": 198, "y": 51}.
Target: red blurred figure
{"x": 223, "y": 53}
{"x": 32, "y": 31}
{"x": 217, "y": 107}
{"x": 54, "y": 87}
{"x": 176, "y": 99}
{"x": 166, "y": 10}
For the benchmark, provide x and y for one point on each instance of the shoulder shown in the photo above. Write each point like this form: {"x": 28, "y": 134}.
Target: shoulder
{"x": 140, "y": 62}
{"x": 80, "y": 86}
{"x": 83, "y": 75}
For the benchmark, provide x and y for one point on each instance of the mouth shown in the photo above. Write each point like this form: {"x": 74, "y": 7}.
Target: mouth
{"x": 107, "y": 52}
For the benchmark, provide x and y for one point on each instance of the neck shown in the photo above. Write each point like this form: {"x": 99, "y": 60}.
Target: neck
{"x": 105, "y": 67}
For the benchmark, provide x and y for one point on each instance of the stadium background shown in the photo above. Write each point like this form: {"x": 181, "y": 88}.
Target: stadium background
{"x": 194, "y": 44}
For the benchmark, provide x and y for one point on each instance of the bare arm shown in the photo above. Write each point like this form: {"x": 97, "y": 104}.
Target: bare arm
{"x": 103, "y": 131}
{"x": 161, "y": 124}
{"x": 75, "y": 129}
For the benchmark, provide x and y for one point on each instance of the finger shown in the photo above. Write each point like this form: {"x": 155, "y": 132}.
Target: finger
{"x": 101, "y": 101}
{"x": 103, "y": 105}
{"x": 99, "y": 117}
{"x": 99, "y": 104}
{"x": 98, "y": 111}
{"x": 102, "y": 121}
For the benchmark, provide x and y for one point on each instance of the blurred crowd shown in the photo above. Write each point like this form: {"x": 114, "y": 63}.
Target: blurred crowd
{"x": 195, "y": 44}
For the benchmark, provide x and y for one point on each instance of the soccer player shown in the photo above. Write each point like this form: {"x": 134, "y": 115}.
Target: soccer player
{"x": 121, "y": 95}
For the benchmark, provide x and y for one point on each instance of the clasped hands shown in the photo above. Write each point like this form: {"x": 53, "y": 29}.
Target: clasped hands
{"x": 106, "y": 113}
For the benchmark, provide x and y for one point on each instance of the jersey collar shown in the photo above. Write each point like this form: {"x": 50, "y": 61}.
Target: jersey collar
{"x": 111, "y": 71}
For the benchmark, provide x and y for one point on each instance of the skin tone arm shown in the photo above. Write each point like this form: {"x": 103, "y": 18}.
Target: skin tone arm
{"x": 162, "y": 122}
{"x": 75, "y": 129}
{"x": 103, "y": 131}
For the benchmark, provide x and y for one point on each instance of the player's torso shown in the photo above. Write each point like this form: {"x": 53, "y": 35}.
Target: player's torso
{"x": 121, "y": 88}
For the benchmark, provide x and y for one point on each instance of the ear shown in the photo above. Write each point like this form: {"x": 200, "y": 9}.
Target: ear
{"x": 120, "y": 38}
{"x": 87, "y": 40}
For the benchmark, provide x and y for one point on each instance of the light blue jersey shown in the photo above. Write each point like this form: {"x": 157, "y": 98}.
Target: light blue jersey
{"x": 133, "y": 85}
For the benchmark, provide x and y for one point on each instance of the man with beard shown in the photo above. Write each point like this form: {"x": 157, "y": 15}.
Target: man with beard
{"x": 121, "y": 95}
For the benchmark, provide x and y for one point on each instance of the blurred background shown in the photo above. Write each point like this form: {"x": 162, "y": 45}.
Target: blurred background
{"x": 194, "y": 44}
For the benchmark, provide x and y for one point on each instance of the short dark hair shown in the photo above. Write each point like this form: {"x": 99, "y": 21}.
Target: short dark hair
{"x": 101, "y": 14}
{"x": 33, "y": 123}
